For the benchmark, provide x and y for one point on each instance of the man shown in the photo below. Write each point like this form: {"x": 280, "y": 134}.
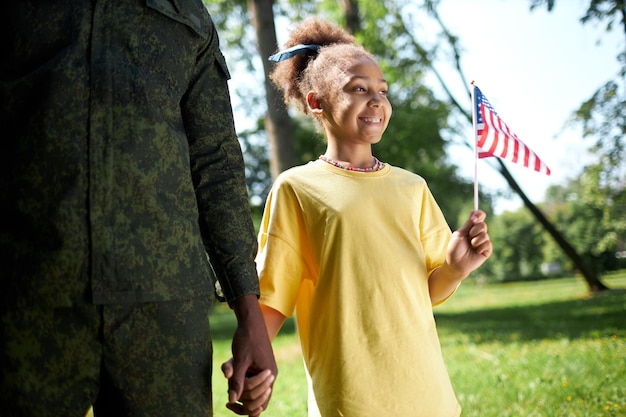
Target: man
{"x": 120, "y": 172}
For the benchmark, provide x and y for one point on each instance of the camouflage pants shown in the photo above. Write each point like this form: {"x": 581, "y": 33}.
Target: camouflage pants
{"x": 127, "y": 360}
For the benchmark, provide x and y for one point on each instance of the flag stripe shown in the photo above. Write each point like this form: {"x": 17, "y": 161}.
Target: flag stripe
{"x": 494, "y": 138}
{"x": 506, "y": 142}
{"x": 515, "y": 150}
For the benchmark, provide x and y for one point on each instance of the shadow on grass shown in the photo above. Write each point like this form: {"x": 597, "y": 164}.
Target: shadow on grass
{"x": 223, "y": 323}
{"x": 603, "y": 315}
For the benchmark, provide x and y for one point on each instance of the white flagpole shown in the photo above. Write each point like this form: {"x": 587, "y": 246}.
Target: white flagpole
{"x": 475, "y": 149}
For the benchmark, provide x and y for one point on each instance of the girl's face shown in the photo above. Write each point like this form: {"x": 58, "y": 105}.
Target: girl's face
{"x": 358, "y": 110}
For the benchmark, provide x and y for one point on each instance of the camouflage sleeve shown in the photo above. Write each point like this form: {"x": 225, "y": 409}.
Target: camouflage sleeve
{"x": 219, "y": 176}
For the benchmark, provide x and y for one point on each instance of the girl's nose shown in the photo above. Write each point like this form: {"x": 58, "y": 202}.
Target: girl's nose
{"x": 375, "y": 101}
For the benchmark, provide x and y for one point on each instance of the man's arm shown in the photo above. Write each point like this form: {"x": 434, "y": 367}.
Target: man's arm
{"x": 218, "y": 174}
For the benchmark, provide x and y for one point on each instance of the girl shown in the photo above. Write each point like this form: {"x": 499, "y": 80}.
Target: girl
{"x": 357, "y": 248}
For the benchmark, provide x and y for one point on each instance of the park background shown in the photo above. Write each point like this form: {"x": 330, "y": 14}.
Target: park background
{"x": 528, "y": 334}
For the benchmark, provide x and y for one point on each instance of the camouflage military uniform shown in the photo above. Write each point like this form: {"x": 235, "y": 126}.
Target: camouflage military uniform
{"x": 120, "y": 171}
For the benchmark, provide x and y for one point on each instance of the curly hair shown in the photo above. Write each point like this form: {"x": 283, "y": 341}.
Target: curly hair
{"x": 303, "y": 73}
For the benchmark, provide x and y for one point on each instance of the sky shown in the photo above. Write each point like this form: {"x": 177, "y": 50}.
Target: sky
{"x": 535, "y": 68}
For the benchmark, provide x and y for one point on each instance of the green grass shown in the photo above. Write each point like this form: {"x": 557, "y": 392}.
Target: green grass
{"x": 541, "y": 348}
{"x": 290, "y": 389}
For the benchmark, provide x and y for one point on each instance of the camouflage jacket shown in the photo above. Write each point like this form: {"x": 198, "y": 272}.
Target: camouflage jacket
{"x": 120, "y": 166}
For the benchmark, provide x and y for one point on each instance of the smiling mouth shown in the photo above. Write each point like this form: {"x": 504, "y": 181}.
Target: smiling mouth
{"x": 371, "y": 119}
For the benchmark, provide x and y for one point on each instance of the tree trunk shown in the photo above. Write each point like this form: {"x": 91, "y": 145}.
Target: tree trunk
{"x": 278, "y": 123}
{"x": 593, "y": 282}
{"x": 350, "y": 10}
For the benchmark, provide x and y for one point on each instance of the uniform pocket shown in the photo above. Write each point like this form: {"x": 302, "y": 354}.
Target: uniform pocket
{"x": 221, "y": 63}
{"x": 190, "y": 13}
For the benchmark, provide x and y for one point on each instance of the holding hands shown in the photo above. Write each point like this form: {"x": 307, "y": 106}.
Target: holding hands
{"x": 252, "y": 370}
{"x": 255, "y": 393}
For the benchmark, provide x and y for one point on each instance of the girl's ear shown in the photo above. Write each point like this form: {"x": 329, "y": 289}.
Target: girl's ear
{"x": 314, "y": 103}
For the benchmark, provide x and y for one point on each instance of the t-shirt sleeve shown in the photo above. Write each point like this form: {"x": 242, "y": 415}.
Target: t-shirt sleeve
{"x": 280, "y": 261}
{"x": 435, "y": 232}
{"x": 436, "y": 235}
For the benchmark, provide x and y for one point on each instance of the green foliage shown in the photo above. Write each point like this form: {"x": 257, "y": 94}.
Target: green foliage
{"x": 588, "y": 212}
{"x": 308, "y": 144}
{"x": 537, "y": 3}
{"x": 610, "y": 12}
{"x": 592, "y": 215}
{"x": 518, "y": 242}
{"x": 237, "y": 36}
{"x": 258, "y": 178}
{"x": 603, "y": 117}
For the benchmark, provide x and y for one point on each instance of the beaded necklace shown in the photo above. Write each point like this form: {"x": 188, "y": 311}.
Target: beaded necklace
{"x": 376, "y": 167}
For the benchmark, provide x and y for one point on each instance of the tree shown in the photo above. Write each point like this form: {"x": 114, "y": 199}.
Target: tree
{"x": 278, "y": 122}
{"x": 593, "y": 282}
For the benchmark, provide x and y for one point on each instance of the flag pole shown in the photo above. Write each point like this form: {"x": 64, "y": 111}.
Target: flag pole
{"x": 475, "y": 148}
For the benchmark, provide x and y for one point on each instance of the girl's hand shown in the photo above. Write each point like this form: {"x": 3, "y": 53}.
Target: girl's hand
{"x": 257, "y": 390}
{"x": 470, "y": 245}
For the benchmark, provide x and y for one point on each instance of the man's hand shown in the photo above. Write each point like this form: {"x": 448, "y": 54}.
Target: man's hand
{"x": 249, "y": 386}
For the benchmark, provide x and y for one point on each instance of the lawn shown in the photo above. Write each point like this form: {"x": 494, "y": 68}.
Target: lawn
{"x": 541, "y": 348}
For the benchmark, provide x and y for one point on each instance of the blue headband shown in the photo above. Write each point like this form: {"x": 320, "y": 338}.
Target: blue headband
{"x": 293, "y": 51}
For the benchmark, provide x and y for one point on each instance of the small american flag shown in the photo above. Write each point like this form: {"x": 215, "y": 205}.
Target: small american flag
{"x": 494, "y": 138}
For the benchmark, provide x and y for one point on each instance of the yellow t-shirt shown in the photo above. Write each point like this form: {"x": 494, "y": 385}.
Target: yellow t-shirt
{"x": 351, "y": 253}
